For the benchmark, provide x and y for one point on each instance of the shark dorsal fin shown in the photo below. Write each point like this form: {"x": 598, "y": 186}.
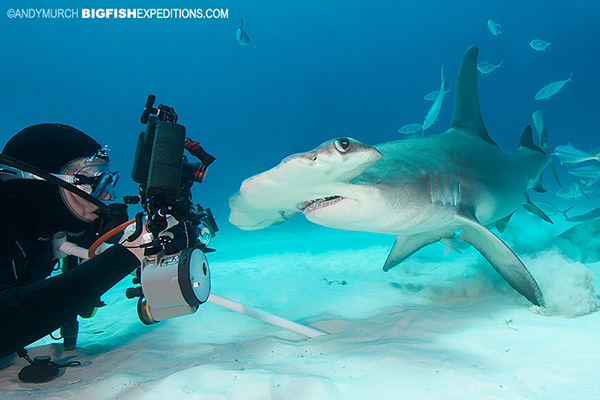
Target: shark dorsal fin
{"x": 467, "y": 114}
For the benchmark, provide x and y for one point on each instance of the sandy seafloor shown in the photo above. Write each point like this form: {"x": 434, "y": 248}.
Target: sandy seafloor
{"x": 433, "y": 328}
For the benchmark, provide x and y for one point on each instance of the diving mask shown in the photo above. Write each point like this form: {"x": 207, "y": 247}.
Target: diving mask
{"x": 93, "y": 179}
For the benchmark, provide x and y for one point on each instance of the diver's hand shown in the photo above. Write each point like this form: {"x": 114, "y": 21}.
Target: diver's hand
{"x": 136, "y": 246}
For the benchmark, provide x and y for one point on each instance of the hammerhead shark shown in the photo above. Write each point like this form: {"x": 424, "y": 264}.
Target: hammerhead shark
{"x": 421, "y": 190}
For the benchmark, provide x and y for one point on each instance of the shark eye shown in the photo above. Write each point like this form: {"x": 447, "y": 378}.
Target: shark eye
{"x": 342, "y": 144}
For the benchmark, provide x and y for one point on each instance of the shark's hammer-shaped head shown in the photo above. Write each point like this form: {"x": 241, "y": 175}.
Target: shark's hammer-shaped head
{"x": 315, "y": 182}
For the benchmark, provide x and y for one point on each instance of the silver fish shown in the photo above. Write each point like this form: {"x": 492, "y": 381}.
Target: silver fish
{"x": 590, "y": 172}
{"x": 577, "y": 189}
{"x": 569, "y": 154}
{"x": 571, "y": 192}
{"x": 539, "y": 44}
{"x": 487, "y": 68}
{"x": 552, "y": 88}
{"x": 435, "y": 108}
{"x": 550, "y": 209}
{"x": 495, "y": 29}
{"x": 242, "y": 37}
{"x": 431, "y": 96}
{"x": 595, "y": 213}
{"x": 410, "y": 128}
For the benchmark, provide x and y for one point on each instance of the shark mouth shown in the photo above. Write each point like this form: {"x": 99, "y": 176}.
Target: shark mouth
{"x": 312, "y": 205}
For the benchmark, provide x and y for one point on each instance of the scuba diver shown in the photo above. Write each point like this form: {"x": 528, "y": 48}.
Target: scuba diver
{"x": 32, "y": 209}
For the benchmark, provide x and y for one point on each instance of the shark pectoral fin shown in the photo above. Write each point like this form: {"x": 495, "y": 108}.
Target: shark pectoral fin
{"x": 405, "y": 246}
{"x": 504, "y": 261}
{"x": 533, "y": 209}
{"x": 501, "y": 223}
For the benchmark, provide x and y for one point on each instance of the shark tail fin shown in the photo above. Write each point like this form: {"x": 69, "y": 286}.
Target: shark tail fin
{"x": 544, "y": 144}
{"x": 467, "y": 113}
{"x": 526, "y": 141}
{"x": 540, "y": 124}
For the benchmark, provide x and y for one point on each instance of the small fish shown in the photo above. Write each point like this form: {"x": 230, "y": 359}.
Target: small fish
{"x": 570, "y": 155}
{"x": 410, "y": 128}
{"x": 435, "y": 108}
{"x": 589, "y": 172}
{"x": 495, "y": 29}
{"x": 539, "y": 44}
{"x": 242, "y": 37}
{"x": 487, "y": 68}
{"x": 577, "y": 189}
{"x": 552, "y": 88}
{"x": 431, "y": 96}
{"x": 571, "y": 192}
{"x": 550, "y": 209}
{"x": 595, "y": 213}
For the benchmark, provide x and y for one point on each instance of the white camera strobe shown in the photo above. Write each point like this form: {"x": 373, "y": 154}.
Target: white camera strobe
{"x": 173, "y": 285}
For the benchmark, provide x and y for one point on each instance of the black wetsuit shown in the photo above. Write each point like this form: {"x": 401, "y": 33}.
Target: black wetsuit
{"x": 32, "y": 306}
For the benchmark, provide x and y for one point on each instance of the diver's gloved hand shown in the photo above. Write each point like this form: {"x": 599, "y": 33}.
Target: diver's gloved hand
{"x": 109, "y": 219}
{"x": 136, "y": 246}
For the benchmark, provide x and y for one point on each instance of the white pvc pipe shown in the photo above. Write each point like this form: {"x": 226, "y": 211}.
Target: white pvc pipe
{"x": 62, "y": 248}
{"x": 72, "y": 249}
{"x": 264, "y": 316}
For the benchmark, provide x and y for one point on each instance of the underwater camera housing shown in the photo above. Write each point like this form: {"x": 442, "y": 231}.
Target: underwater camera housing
{"x": 174, "y": 277}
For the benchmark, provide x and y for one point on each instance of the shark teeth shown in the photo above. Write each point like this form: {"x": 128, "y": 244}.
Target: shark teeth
{"x": 308, "y": 206}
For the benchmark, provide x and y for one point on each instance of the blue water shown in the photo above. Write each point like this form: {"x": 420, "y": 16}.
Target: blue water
{"x": 313, "y": 71}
